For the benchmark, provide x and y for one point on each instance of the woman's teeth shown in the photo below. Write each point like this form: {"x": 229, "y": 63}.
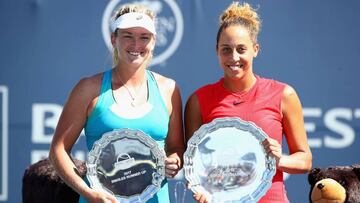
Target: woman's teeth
{"x": 235, "y": 67}
{"x": 134, "y": 53}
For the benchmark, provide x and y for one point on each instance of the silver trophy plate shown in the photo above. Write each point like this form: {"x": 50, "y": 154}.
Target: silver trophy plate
{"x": 226, "y": 161}
{"x": 127, "y": 164}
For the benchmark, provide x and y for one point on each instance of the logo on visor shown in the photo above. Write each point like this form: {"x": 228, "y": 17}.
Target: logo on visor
{"x": 139, "y": 17}
{"x": 169, "y": 26}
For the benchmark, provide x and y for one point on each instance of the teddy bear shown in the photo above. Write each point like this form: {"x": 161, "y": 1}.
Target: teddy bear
{"x": 335, "y": 184}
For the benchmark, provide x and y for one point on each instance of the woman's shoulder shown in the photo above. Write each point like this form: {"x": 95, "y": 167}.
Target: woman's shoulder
{"x": 285, "y": 89}
{"x": 89, "y": 82}
{"x": 271, "y": 84}
{"x": 270, "y": 81}
{"x": 89, "y": 85}
{"x": 164, "y": 82}
{"x": 168, "y": 89}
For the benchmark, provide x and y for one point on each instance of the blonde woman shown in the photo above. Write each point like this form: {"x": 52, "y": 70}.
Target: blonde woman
{"x": 271, "y": 105}
{"x": 126, "y": 96}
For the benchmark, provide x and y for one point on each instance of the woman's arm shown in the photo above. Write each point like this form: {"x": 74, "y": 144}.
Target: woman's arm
{"x": 174, "y": 143}
{"x": 300, "y": 158}
{"x": 69, "y": 127}
{"x": 193, "y": 122}
{"x": 193, "y": 119}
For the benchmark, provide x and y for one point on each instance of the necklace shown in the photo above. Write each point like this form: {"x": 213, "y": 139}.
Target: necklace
{"x": 132, "y": 95}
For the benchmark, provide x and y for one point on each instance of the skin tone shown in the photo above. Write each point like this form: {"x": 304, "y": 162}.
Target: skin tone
{"x": 236, "y": 52}
{"x": 135, "y": 46}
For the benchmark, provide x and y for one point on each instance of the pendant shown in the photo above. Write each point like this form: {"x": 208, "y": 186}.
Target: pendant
{"x": 133, "y": 103}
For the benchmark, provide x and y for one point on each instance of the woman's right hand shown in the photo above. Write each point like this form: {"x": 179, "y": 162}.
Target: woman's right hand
{"x": 100, "y": 197}
{"x": 200, "y": 198}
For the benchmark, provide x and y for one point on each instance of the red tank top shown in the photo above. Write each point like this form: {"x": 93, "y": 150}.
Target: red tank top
{"x": 260, "y": 105}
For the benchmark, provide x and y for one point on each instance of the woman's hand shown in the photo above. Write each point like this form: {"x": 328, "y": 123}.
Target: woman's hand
{"x": 273, "y": 148}
{"x": 200, "y": 198}
{"x": 172, "y": 167}
{"x": 100, "y": 197}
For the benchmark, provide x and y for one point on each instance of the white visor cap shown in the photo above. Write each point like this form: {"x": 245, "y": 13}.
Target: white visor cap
{"x": 134, "y": 19}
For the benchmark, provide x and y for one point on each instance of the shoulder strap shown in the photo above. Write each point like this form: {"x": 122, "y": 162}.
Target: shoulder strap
{"x": 154, "y": 91}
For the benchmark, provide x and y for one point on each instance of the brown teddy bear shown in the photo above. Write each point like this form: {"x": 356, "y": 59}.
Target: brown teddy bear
{"x": 336, "y": 184}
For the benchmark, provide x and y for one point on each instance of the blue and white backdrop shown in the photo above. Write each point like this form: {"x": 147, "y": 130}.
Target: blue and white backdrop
{"x": 47, "y": 46}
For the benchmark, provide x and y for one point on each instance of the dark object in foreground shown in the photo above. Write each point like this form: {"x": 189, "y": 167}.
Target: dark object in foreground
{"x": 42, "y": 184}
{"x": 326, "y": 184}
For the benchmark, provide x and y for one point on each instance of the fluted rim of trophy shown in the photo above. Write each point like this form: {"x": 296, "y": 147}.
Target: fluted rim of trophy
{"x": 204, "y": 130}
{"x": 117, "y": 134}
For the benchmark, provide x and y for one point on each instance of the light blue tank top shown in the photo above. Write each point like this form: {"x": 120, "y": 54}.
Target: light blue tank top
{"x": 154, "y": 123}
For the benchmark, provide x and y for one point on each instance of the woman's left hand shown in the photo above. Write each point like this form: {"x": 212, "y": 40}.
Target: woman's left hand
{"x": 171, "y": 167}
{"x": 273, "y": 148}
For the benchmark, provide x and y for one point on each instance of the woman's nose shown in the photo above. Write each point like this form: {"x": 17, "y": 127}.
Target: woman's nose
{"x": 134, "y": 42}
{"x": 235, "y": 55}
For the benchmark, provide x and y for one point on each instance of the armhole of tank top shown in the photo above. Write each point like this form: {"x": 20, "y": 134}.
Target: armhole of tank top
{"x": 158, "y": 94}
{"x": 201, "y": 108}
{"x": 281, "y": 98}
{"x": 98, "y": 106}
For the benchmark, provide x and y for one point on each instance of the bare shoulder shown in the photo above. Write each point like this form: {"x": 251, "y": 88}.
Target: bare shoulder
{"x": 290, "y": 101}
{"x": 166, "y": 84}
{"x": 289, "y": 95}
{"x": 91, "y": 81}
{"x": 192, "y": 100}
{"x": 169, "y": 92}
{"x": 288, "y": 91}
{"x": 88, "y": 87}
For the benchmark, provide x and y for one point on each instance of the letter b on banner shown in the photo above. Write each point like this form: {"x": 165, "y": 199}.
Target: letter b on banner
{"x": 44, "y": 121}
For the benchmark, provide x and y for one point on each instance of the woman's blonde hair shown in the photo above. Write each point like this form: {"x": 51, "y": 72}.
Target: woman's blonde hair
{"x": 240, "y": 14}
{"x": 129, "y": 8}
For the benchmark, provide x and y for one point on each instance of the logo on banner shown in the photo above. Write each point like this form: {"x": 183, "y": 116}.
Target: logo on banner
{"x": 169, "y": 26}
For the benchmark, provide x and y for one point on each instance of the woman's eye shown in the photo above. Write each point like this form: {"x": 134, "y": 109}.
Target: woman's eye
{"x": 241, "y": 49}
{"x": 226, "y": 50}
